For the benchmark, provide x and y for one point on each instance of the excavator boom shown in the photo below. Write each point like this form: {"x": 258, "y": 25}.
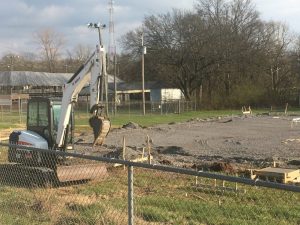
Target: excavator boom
{"x": 91, "y": 72}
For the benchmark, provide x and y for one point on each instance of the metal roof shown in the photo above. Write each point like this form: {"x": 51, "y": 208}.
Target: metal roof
{"x": 36, "y": 79}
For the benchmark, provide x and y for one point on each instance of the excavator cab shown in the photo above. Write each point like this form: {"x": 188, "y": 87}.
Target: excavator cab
{"x": 42, "y": 123}
{"x": 43, "y": 117}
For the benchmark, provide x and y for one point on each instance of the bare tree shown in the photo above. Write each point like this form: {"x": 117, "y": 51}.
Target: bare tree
{"x": 77, "y": 57}
{"x": 222, "y": 49}
{"x": 176, "y": 44}
{"x": 278, "y": 67}
{"x": 82, "y": 52}
{"x": 51, "y": 44}
{"x": 11, "y": 62}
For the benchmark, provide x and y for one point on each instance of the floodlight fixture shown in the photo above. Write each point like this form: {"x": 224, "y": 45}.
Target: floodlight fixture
{"x": 98, "y": 26}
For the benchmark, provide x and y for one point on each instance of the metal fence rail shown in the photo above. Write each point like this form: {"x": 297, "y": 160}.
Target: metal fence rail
{"x": 142, "y": 194}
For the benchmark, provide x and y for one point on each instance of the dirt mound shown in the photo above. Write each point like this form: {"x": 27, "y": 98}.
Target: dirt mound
{"x": 223, "y": 167}
{"x": 131, "y": 125}
{"x": 255, "y": 141}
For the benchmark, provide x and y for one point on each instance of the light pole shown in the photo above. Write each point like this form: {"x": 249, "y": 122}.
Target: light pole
{"x": 99, "y": 27}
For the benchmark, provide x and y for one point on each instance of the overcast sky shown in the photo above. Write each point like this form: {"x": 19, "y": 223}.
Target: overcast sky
{"x": 19, "y": 19}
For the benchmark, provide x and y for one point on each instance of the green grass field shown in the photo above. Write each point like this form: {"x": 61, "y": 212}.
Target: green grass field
{"x": 154, "y": 119}
{"x": 13, "y": 120}
{"x": 159, "y": 198}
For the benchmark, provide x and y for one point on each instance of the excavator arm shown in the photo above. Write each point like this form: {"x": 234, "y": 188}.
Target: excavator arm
{"x": 92, "y": 71}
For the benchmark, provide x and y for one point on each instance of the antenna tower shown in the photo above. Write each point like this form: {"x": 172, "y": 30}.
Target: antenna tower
{"x": 111, "y": 44}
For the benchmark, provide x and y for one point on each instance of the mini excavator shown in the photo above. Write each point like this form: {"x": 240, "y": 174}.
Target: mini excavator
{"x": 50, "y": 126}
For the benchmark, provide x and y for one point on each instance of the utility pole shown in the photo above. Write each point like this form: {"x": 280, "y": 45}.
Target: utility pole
{"x": 143, "y": 73}
{"x": 106, "y": 86}
{"x": 112, "y": 53}
{"x": 115, "y": 85}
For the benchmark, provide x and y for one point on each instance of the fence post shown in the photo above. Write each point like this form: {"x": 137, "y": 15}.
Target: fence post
{"x": 161, "y": 108}
{"x": 129, "y": 107}
{"x": 124, "y": 150}
{"x": 130, "y": 196}
{"x": 20, "y": 109}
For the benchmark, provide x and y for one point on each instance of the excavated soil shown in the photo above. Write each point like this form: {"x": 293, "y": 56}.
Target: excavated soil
{"x": 254, "y": 141}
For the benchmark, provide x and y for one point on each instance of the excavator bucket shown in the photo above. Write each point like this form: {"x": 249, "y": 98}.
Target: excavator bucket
{"x": 101, "y": 127}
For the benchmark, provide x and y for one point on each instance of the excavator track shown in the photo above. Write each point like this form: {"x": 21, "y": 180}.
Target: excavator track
{"x": 101, "y": 127}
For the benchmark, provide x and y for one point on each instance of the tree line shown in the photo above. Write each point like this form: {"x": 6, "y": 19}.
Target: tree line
{"x": 221, "y": 54}
{"x": 50, "y": 55}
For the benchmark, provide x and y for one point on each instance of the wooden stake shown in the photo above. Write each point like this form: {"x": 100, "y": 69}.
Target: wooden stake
{"x": 143, "y": 154}
{"x": 196, "y": 177}
{"x": 149, "y": 149}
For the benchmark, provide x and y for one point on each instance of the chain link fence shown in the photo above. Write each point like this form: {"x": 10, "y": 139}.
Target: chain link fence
{"x": 51, "y": 187}
{"x": 13, "y": 112}
{"x": 151, "y": 107}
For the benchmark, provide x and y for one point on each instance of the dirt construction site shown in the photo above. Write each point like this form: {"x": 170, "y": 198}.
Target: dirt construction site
{"x": 236, "y": 141}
